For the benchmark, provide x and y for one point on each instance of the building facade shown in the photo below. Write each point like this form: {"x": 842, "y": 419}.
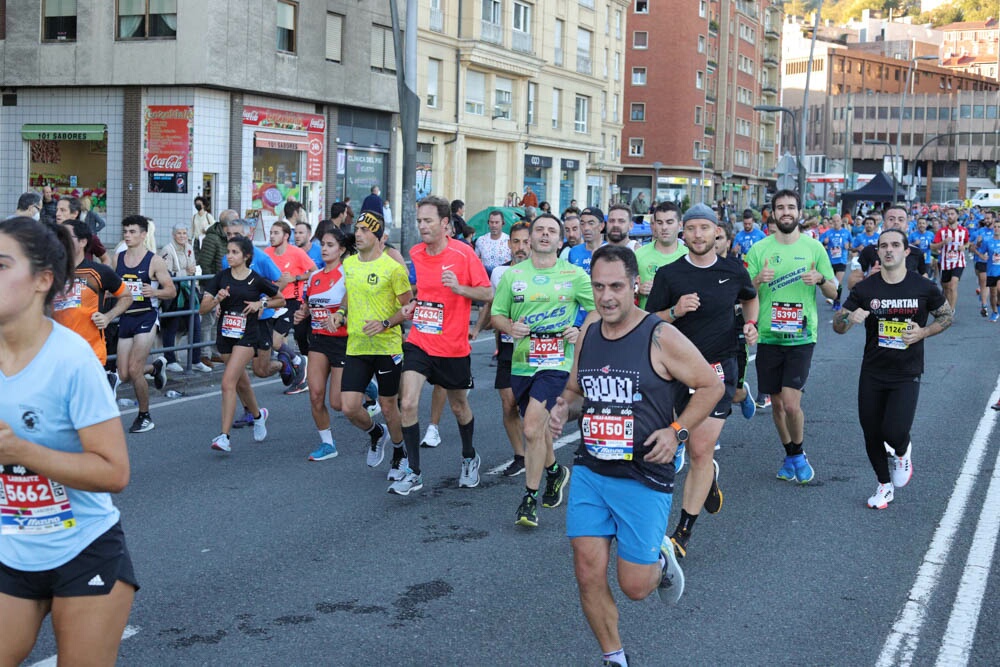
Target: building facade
{"x": 972, "y": 46}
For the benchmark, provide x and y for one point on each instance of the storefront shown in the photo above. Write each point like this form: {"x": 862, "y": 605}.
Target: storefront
{"x": 73, "y": 159}
{"x": 363, "y": 140}
{"x": 567, "y": 182}
{"x": 536, "y": 174}
{"x": 358, "y": 170}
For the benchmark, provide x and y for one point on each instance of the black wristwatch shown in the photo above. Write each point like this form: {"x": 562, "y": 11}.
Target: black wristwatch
{"x": 682, "y": 433}
{"x": 822, "y": 281}
{"x": 385, "y": 324}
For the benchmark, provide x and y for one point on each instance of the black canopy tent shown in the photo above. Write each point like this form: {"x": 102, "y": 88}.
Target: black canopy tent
{"x": 879, "y": 189}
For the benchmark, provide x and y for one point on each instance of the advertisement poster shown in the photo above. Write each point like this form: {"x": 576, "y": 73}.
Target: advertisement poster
{"x": 169, "y": 138}
{"x": 173, "y": 182}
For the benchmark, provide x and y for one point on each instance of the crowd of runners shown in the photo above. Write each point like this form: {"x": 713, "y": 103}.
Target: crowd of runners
{"x": 645, "y": 346}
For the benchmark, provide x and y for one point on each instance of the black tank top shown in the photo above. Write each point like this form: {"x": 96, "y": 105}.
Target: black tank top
{"x": 624, "y": 402}
{"x": 134, "y": 278}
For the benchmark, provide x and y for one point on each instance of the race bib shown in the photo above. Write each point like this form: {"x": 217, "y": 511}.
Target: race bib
{"x": 996, "y": 258}
{"x": 546, "y": 350}
{"x": 32, "y": 504}
{"x": 951, "y": 255}
{"x": 234, "y": 325}
{"x": 428, "y": 317}
{"x": 890, "y": 334}
{"x": 319, "y": 318}
{"x": 835, "y": 251}
{"x": 719, "y": 370}
{"x": 134, "y": 288}
{"x": 71, "y": 299}
{"x": 608, "y": 437}
{"x": 787, "y": 318}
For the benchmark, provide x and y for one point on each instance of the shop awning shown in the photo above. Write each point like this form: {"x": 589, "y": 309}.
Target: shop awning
{"x": 64, "y": 132}
{"x": 287, "y": 142}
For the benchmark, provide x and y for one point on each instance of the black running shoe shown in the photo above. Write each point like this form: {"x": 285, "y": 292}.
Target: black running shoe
{"x": 680, "y": 540}
{"x": 554, "y": 485}
{"x": 527, "y": 512}
{"x": 160, "y": 372}
{"x": 142, "y": 424}
{"x": 514, "y": 468}
{"x": 713, "y": 503}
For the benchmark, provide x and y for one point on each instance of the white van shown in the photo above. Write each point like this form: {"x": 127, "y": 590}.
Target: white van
{"x": 987, "y": 198}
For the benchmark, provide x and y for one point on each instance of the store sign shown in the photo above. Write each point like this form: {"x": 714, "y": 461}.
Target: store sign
{"x": 315, "y": 157}
{"x": 311, "y": 144}
{"x": 537, "y": 161}
{"x": 283, "y": 120}
{"x": 570, "y": 165}
{"x": 64, "y": 132}
{"x": 169, "y": 138}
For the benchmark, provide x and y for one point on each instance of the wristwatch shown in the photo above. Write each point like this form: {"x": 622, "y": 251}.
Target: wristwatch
{"x": 385, "y": 324}
{"x": 682, "y": 433}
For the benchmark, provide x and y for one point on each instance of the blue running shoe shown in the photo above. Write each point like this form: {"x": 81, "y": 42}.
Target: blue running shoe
{"x": 679, "y": 458}
{"x": 995, "y": 316}
{"x": 323, "y": 452}
{"x": 787, "y": 471}
{"x": 747, "y": 405}
{"x": 245, "y": 420}
{"x": 371, "y": 391}
{"x": 803, "y": 471}
{"x": 837, "y": 305}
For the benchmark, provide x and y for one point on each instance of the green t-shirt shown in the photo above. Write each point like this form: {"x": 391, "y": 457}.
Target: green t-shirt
{"x": 373, "y": 290}
{"x": 788, "y": 314}
{"x": 650, "y": 259}
{"x": 548, "y": 300}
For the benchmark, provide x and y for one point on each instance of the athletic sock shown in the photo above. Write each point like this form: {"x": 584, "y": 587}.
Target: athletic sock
{"x": 617, "y": 658}
{"x": 553, "y": 471}
{"x": 326, "y": 436}
{"x": 528, "y": 491}
{"x": 793, "y": 448}
{"x": 411, "y": 436}
{"x": 375, "y": 432}
{"x": 398, "y": 453}
{"x": 686, "y": 522}
{"x": 466, "y": 431}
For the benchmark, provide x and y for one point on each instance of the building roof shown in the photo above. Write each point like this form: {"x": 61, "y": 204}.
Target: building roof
{"x": 967, "y": 60}
{"x": 970, "y": 25}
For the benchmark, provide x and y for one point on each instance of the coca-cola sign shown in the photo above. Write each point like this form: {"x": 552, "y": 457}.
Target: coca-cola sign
{"x": 169, "y": 137}
{"x": 166, "y": 162}
{"x": 283, "y": 120}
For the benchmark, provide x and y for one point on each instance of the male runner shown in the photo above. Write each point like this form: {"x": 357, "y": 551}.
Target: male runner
{"x": 988, "y": 252}
{"x": 895, "y": 218}
{"x": 619, "y": 226}
{"x": 146, "y": 277}
{"x": 745, "y": 238}
{"x": 786, "y": 268}
{"x": 893, "y": 304}
{"x": 664, "y": 249}
{"x": 296, "y": 267}
{"x": 983, "y": 232}
{"x": 592, "y": 226}
{"x": 837, "y": 241}
{"x": 574, "y": 237}
{"x": 536, "y": 304}
{"x": 869, "y": 235}
{"x": 921, "y": 239}
{"x": 630, "y": 367}
{"x": 305, "y": 240}
{"x": 952, "y": 240}
{"x": 696, "y": 295}
{"x": 449, "y": 278}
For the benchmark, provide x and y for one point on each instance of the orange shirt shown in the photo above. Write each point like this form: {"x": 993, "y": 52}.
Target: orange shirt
{"x": 85, "y": 296}
{"x": 296, "y": 262}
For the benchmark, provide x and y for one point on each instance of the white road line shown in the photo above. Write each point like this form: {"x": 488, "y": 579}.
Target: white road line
{"x": 558, "y": 444}
{"x": 194, "y": 397}
{"x": 901, "y": 644}
{"x": 130, "y": 631}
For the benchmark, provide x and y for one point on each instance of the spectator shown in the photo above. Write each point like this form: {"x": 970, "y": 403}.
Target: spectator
{"x": 373, "y": 202}
{"x": 29, "y": 205}
{"x": 494, "y": 248}
{"x": 49, "y": 203}
{"x": 200, "y": 221}
{"x": 545, "y": 207}
{"x": 180, "y": 259}
{"x": 91, "y": 217}
{"x": 529, "y": 198}
{"x": 639, "y": 205}
{"x": 461, "y": 228}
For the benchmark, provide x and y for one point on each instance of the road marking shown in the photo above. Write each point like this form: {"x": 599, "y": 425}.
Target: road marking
{"x": 901, "y": 644}
{"x": 558, "y": 444}
{"x": 130, "y": 631}
{"x": 195, "y": 397}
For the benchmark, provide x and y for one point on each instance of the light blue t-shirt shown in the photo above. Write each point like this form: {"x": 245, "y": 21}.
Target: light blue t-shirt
{"x": 990, "y": 246}
{"x": 579, "y": 255}
{"x": 744, "y": 240}
{"x": 837, "y": 243}
{"x": 316, "y": 254}
{"x": 62, "y": 390}
{"x": 265, "y": 266}
{"x": 862, "y": 240}
{"x": 923, "y": 241}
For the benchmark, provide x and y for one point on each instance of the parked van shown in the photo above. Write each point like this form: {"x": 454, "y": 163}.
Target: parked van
{"x": 988, "y": 198}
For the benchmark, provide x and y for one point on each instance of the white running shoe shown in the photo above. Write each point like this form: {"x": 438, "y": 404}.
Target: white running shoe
{"x": 175, "y": 367}
{"x": 376, "y": 452}
{"x": 882, "y": 497}
{"x": 432, "y": 438}
{"x": 902, "y": 468}
{"x": 221, "y": 443}
{"x": 201, "y": 368}
{"x": 404, "y": 487}
{"x": 397, "y": 471}
{"x": 469, "y": 478}
{"x": 260, "y": 426}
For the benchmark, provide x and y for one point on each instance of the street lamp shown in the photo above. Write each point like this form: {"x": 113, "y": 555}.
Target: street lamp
{"x": 907, "y": 82}
{"x": 882, "y": 142}
{"x": 657, "y": 166}
{"x": 703, "y": 154}
{"x": 774, "y": 108}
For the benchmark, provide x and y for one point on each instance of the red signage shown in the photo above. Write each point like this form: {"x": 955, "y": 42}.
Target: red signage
{"x": 283, "y": 120}
{"x": 314, "y": 157}
{"x": 168, "y": 138}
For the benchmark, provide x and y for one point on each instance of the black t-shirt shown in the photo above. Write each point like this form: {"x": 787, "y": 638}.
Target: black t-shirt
{"x": 712, "y": 328}
{"x": 914, "y": 261}
{"x": 890, "y": 306}
{"x": 249, "y": 289}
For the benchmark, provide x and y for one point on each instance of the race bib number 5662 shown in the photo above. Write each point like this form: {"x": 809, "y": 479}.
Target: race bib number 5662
{"x": 32, "y": 504}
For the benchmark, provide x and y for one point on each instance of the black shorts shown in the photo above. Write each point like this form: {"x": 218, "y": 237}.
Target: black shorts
{"x": 991, "y": 281}
{"x": 250, "y": 338}
{"x": 948, "y": 274}
{"x": 544, "y": 386}
{"x": 130, "y": 326}
{"x": 334, "y": 347}
{"x": 284, "y": 323}
{"x": 93, "y": 572}
{"x": 265, "y": 331}
{"x": 839, "y": 268}
{"x": 742, "y": 353}
{"x": 502, "y": 380}
{"x": 980, "y": 267}
{"x": 358, "y": 372}
{"x": 445, "y": 372}
{"x": 782, "y": 366}
{"x": 730, "y": 370}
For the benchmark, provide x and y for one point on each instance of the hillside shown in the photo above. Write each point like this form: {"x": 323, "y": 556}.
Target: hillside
{"x": 841, "y": 11}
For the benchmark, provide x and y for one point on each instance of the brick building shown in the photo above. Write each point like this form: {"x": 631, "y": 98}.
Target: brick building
{"x": 972, "y": 46}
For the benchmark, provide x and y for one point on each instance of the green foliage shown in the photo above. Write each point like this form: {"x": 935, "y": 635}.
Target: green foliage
{"x": 842, "y": 11}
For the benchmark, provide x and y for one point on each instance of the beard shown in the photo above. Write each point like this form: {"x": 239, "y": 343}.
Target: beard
{"x": 616, "y": 235}
{"x": 786, "y": 227}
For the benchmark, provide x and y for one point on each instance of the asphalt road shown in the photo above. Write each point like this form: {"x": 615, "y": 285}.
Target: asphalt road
{"x": 262, "y": 558}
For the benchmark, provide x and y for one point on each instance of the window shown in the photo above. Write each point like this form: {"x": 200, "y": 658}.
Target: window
{"x": 383, "y": 52}
{"x": 931, "y": 113}
{"x": 582, "y": 111}
{"x": 556, "y": 108}
{"x": 433, "y": 78}
{"x": 475, "y": 93}
{"x": 604, "y": 105}
{"x": 699, "y": 80}
{"x": 583, "y": 40}
{"x": 334, "y": 33}
{"x": 702, "y": 8}
{"x": 605, "y": 63}
{"x": 637, "y": 112}
{"x": 557, "y": 37}
{"x": 640, "y": 39}
{"x": 966, "y": 111}
{"x": 142, "y": 19}
{"x": 701, "y": 44}
{"x": 521, "y": 36}
{"x": 697, "y": 115}
{"x": 286, "y": 26}
{"x": 697, "y": 151}
{"x": 503, "y": 97}
{"x": 618, "y": 24}
{"x": 532, "y": 97}
{"x": 991, "y": 111}
{"x": 614, "y": 108}
{"x": 437, "y": 17}
{"x": 638, "y": 76}
{"x": 491, "y": 11}
{"x": 636, "y": 147}
{"x": 918, "y": 113}
{"x": 59, "y": 20}
{"x": 641, "y": 6}
{"x": 618, "y": 66}
{"x": 614, "y": 147}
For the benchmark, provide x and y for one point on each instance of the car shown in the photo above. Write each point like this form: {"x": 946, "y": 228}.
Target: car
{"x": 957, "y": 203}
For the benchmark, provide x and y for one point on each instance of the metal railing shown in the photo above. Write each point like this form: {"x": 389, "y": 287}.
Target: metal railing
{"x": 491, "y": 32}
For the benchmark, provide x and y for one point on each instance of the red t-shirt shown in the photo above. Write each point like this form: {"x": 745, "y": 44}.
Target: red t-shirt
{"x": 441, "y": 318}
{"x": 296, "y": 262}
{"x": 325, "y": 292}
{"x": 953, "y": 250}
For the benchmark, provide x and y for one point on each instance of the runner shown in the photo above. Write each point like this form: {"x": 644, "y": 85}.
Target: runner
{"x": 574, "y": 235}
{"x": 983, "y": 233}
{"x": 619, "y": 226}
{"x": 989, "y": 252}
{"x": 922, "y": 239}
{"x": 696, "y": 295}
{"x": 628, "y": 370}
{"x": 664, "y": 249}
{"x": 743, "y": 396}
{"x": 951, "y": 240}
{"x": 837, "y": 241}
{"x": 868, "y": 236}
{"x": 147, "y": 279}
{"x": 296, "y": 267}
{"x": 324, "y": 294}
{"x": 746, "y": 237}
{"x": 592, "y": 226}
{"x": 893, "y": 305}
{"x": 449, "y": 278}
{"x": 305, "y": 240}
{"x": 786, "y": 269}
{"x": 241, "y": 294}
{"x": 536, "y": 304}
{"x": 62, "y": 549}
{"x": 895, "y": 218}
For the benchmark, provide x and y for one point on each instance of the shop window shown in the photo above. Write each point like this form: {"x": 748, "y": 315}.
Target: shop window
{"x": 287, "y": 12}
{"x": 59, "y": 20}
{"x": 334, "y": 36}
{"x": 383, "y": 51}
{"x": 145, "y": 19}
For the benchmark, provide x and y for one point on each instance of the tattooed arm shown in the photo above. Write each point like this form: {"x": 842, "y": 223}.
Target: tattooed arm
{"x": 942, "y": 320}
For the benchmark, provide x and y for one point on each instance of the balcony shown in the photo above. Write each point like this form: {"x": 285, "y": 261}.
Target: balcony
{"x": 583, "y": 64}
{"x": 521, "y": 41}
{"x": 491, "y": 32}
{"x": 437, "y": 20}
{"x": 767, "y": 119}
{"x": 771, "y": 58}
{"x": 767, "y": 146}
{"x": 713, "y": 28}
{"x": 770, "y": 31}
{"x": 768, "y": 87}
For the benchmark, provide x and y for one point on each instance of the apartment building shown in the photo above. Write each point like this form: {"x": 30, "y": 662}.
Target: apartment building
{"x": 519, "y": 93}
{"x": 972, "y": 46}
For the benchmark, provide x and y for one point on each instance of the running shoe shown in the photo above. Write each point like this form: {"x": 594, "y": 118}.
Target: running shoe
{"x": 376, "y": 453}
{"x": 902, "y": 468}
{"x": 995, "y": 316}
{"x": 679, "y": 541}
{"x": 202, "y": 367}
{"x": 432, "y": 438}
{"x": 765, "y": 404}
{"x": 527, "y": 512}
{"x": 829, "y": 302}
{"x": 298, "y": 383}
{"x": 514, "y": 468}
{"x": 672, "y": 581}
{"x": 221, "y": 443}
{"x": 142, "y": 424}
{"x": 397, "y": 470}
{"x": 718, "y": 445}
{"x": 837, "y": 305}
{"x": 679, "y": 458}
{"x": 326, "y": 450}
{"x": 175, "y": 367}
{"x": 882, "y": 498}
{"x": 298, "y": 388}
{"x": 554, "y": 486}
{"x": 803, "y": 471}
{"x": 260, "y": 426}
{"x": 982, "y": 308}
{"x": 114, "y": 381}
{"x": 996, "y": 406}
{"x": 469, "y": 477}
{"x": 612, "y": 663}
{"x": 287, "y": 371}
{"x": 373, "y": 408}
{"x": 787, "y": 472}
{"x": 713, "y": 503}
{"x": 371, "y": 391}
{"x": 747, "y": 405}
{"x": 245, "y": 420}
{"x": 160, "y": 372}
{"x": 411, "y": 482}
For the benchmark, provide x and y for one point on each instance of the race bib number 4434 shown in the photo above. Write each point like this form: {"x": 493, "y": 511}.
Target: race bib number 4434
{"x": 32, "y": 504}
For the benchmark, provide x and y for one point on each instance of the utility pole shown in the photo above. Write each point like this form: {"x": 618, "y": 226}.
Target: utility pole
{"x": 409, "y": 117}
{"x": 805, "y": 107}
